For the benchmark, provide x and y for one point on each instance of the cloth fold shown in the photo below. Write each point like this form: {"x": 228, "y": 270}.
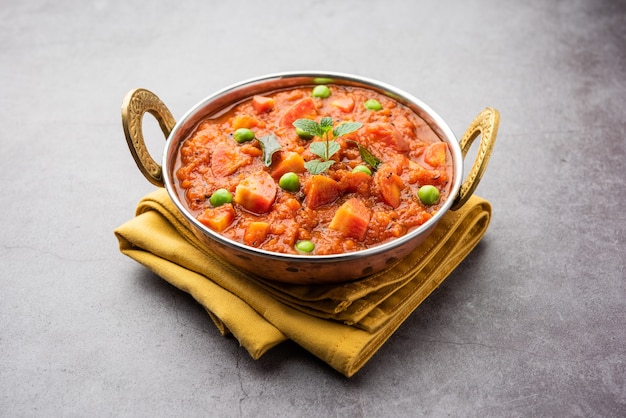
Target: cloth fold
{"x": 342, "y": 324}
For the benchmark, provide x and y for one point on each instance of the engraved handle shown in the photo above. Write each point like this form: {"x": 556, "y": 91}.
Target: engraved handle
{"x": 486, "y": 125}
{"x": 136, "y": 103}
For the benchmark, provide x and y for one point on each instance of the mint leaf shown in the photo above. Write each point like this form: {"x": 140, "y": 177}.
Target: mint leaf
{"x": 327, "y": 147}
{"x": 332, "y": 148}
{"x": 346, "y": 128}
{"x": 270, "y": 145}
{"x": 309, "y": 126}
{"x": 319, "y": 149}
{"x": 317, "y": 166}
{"x": 325, "y": 150}
{"x": 367, "y": 156}
{"x": 326, "y": 124}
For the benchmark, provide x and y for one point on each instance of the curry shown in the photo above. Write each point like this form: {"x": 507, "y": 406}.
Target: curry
{"x": 323, "y": 169}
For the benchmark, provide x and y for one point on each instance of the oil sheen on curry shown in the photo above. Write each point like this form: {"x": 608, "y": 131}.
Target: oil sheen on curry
{"x": 322, "y": 169}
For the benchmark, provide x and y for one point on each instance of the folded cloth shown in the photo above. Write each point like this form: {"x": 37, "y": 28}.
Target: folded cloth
{"x": 342, "y": 324}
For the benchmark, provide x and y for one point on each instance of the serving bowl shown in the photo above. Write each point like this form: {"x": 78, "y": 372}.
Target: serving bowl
{"x": 301, "y": 268}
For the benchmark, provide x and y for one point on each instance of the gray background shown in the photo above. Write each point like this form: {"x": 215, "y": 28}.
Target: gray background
{"x": 533, "y": 323}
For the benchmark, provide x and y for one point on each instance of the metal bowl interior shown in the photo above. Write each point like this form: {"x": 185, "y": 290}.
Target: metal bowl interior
{"x": 297, "y": 268}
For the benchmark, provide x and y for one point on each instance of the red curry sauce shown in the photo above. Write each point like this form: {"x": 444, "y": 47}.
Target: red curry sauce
{"x": 338, "y": 210}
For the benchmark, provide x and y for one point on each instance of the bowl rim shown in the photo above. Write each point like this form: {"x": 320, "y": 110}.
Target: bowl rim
{"x": 195, "y": 114}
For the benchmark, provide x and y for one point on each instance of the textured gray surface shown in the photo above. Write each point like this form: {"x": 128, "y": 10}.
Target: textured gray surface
{"x": 533, "y": 323}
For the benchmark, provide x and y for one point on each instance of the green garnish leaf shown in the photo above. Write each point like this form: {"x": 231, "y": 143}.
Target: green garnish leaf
{"x": 367, "y": 156}
{"x": 322, "y": 150}
{"x": 270, "y": 145}
{"x": 328, "y": 147}
{"x": 326, "y": 123}
{"x": 309, "y": 126}
{"x": 333, "y": 148}
{"x": 319, "y": 149}
{"x": 346, "y": 128}
{"x": 318, "y": 166}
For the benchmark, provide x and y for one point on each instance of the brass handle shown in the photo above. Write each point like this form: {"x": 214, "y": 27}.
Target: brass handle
{"x": 485, "y": 124}
{"x": 136, "y": 103}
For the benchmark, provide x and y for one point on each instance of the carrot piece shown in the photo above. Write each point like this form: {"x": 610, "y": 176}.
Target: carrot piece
{"x": 256, "y": 193}
{"x": 390, "y": 185}
{"x": 435, "y": 154}
{"x": 256, "y": 233}
{"x": 304, "y": 108}
{"x": 262, "y": 104}
{"x": 357, "y": 181}
{"x": 290, "y": 161}
{"x": 227, "y": 159}
{"x": 420, "y": 175}
{"x": 219, "y": 218}
{"x": 351, "y": 219}
{"x": 345, "y": 104}
{"x": 244, "y": 121}
{"x": 320, "y": 190}
{"x": 385, "y": 133}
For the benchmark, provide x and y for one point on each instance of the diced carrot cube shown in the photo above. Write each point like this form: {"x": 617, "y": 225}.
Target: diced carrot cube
{"x": 227, "y": 159}
{"x": 390, "y": 185}
{"x": 256, "y": 193}
{"x": 219, "y": 218}
{"x": 256, "y": 233}
{"x": 345, "y": 104}
{"x": 244, "y": 121}
{"x": 251, "y": 149}
{"x": 290, "y": 161}
{"x": 351, "y": 219}
{"x": 304, "y": 108}
{"x": 357, "y": 181}
{"x": 262, "y": 104}
{"x": 386, "y": 133}
{"x": 420, "y": 175}
{"x": 321, "y": 190}
{"x": 435, "y": 154}
{"x": 292, "y": 204}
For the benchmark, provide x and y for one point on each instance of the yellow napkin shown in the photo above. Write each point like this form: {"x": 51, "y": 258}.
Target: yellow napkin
{"x": 342, "y": 324}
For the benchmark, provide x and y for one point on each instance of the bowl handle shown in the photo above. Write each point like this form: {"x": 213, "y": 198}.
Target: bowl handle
{"x": 135, "y": 104}
{"x": 485, "y": 124}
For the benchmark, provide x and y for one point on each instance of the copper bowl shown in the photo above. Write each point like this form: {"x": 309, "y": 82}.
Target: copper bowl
{"x": 297, "y": 268}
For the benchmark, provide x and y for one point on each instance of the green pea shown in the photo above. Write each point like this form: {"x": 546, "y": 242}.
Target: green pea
{"x": 290, "y": 182}
{"x": 322, "y": 80}
{"x": 428, "y": 194}
{"x": 303, "y": 134}
{"x": 373, "y": 104}
{"x": 221, "y": 197}
{"x": 362, "y": 169}
{"x": 243, "y": 135}
{"x": 321, "y": 91}
{"x": 305, "y": 246}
